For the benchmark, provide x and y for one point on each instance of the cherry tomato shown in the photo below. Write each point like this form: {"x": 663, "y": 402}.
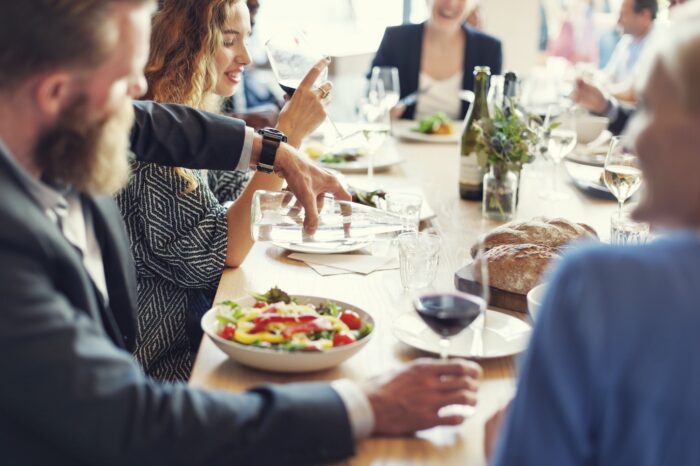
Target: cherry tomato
{"x": 259, "y": 304}
{"x": 343, "y": 338}
{"x": 228, "y": 331}
{"x": 351, "y": 319}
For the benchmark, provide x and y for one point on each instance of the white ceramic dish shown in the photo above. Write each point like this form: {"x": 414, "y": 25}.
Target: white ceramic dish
{"x": 286, "y": 361}
{"x": 534, "y": 299}
{"x": 322, "y": 248}
{"x": 383, "y": 160}
{"x": 589, "y": 127}
{"x": 503, "y": 335}
{"x": 404, "y": 130}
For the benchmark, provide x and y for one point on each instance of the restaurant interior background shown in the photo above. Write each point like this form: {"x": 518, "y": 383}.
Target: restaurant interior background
{"x": 350, "y": 31}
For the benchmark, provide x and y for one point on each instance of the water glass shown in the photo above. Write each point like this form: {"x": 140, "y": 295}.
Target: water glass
{"x": 419, "y": 256}
{"x": 407, "y": 206}
{"x": 626, "y": 232}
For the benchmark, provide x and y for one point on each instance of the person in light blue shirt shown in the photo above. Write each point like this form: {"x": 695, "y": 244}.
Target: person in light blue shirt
{"x": 637, "y": 23}
{"x": 612, "y": 375}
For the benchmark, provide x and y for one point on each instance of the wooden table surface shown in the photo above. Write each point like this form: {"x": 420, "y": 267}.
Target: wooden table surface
{"x": 433, "y": 167}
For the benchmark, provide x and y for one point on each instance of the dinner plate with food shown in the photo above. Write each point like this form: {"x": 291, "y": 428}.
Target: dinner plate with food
{"x": 435, "y": 128}
{"x": 351, "y": 159}
{"x": 279, "y": 332}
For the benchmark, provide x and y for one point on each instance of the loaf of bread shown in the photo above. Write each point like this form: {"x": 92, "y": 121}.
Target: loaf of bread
{"x": 519, "y": 253}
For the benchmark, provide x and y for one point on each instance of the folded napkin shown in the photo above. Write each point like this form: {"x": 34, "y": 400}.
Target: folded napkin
{"x": 334, "y": 264}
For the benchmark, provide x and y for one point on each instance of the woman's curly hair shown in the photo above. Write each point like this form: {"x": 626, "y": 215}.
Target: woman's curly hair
{"x": 181, "y": 69}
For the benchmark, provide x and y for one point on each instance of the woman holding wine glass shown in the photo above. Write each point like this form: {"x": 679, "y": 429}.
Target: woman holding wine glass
{"x": 181, "y": 235}
{"x": 435, "y": 60}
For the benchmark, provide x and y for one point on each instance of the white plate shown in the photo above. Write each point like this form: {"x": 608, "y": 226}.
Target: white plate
{"x": 504, "y": 335}
{"x": 383, "y": 160}
{"x": 404, "y": 130}
{"x": 284, "y": 361}
{"x": 322, "y": 248}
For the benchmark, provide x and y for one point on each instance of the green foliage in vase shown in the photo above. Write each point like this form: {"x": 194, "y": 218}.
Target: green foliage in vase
{"x": 507, "y": 140}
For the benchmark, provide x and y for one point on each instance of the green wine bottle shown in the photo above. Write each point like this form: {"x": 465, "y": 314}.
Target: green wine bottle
{"x": 470, "y": 173}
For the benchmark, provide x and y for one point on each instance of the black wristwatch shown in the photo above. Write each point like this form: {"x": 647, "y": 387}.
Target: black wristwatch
{"x": 271, "y": 139}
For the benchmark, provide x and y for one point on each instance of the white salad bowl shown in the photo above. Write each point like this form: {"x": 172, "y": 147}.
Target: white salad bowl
{"x": 286, "y": 361}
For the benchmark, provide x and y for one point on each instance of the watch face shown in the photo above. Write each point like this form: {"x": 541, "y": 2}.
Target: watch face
{"x": 273, "y": 133}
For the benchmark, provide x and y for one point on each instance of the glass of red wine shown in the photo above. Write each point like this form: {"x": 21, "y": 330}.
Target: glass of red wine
{"x": 448, "y": 314}
{"x": 291, "y": 56}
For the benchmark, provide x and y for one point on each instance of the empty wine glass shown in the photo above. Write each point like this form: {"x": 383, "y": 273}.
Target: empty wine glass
{"x": 374, "y": 123}
{"x": 622, "y": 175}
{"x": 386, "y": 78}
{"x": 291, "y": 57}
{"x": 560, "y": 142}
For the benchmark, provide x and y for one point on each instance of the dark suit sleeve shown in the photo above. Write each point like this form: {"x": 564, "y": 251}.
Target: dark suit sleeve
{"x": 497, "y": 58}
{"x": 180, "y": 136}
{"x": 78, "y": 395}
{"x": 624, "y": 113}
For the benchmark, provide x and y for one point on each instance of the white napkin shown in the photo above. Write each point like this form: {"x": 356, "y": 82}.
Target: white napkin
{"x": 346, "y": 263}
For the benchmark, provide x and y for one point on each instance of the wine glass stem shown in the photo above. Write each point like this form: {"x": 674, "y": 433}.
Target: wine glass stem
{"x": 619, "y": 210}
{"x": 444, "y": 348}
{"x": 338, "y": 134}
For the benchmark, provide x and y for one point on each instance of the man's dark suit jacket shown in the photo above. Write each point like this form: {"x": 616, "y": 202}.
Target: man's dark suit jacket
{"x": 402, "y": 45}
{"x": 70, "y": 392}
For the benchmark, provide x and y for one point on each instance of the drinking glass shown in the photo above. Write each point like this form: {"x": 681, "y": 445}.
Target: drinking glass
{"x": 386, "y": 78}
{"x": 291, "y": 56}
{"x": 407, "y": 206}
{"x": 625, "y": 231}
{"x": 374, "y": 124}
{"x": 622, "y": 175}
{"x": 560, "y": 141}
{"x": 419, "y": 256}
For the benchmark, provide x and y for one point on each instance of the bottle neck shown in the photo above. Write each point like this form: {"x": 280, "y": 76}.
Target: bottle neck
{"x": 481, "y": 90}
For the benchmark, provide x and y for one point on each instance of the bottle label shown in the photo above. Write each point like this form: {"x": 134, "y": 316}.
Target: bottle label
{"x": 469, "y": 170}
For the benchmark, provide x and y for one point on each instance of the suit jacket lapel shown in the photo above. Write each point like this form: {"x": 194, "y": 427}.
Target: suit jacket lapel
{"x": 118, "y": 267}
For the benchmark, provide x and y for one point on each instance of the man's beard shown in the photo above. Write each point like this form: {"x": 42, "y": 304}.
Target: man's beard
{"x": 88, "y": 155}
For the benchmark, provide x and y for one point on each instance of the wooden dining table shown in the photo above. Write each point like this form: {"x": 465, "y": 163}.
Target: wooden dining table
{"x": 434, "y": 168}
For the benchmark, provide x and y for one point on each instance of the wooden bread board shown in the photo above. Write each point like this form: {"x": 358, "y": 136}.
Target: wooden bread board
{"x": 464, "y": 281}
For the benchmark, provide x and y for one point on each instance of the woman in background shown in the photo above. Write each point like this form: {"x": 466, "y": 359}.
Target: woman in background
{"x": 181, "y": 235}
{"x": 436, "y": 58}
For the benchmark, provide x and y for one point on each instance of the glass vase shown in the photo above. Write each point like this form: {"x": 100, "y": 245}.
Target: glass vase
{"x": 500, "y": 194}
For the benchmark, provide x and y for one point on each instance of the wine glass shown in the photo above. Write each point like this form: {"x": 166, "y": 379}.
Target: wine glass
{"x": 291, "y": 56}
{"x": 560, "y": 142}
{"x": 622, "y": 174}
{"x": 374, "y": 123}
{"x": 386, "y": 78}
{"x": 448, "y": 313}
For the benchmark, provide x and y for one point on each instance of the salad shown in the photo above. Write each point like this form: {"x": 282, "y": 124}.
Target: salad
{"x": 277, "y": 321}
{"x": 435, "y": 124}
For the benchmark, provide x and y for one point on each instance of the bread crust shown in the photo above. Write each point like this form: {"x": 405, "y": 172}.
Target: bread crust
{"x": 519, "y": 253}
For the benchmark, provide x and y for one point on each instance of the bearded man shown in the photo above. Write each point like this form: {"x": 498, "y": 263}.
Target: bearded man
{"x": 71, "y": 392}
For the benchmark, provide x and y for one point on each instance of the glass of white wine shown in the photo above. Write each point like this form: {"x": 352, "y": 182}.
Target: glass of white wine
{"x": 561, "y": 141}
{"x": 623, "y": 177}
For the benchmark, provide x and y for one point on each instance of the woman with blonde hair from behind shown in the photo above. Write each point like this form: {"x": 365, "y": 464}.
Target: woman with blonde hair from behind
{"x": 181, "y": 235}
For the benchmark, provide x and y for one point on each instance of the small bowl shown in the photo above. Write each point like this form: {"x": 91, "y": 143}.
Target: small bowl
{"x": 286, "y": 361}
{"x": 534, "y": 299}
{"x": 589, "y": 127}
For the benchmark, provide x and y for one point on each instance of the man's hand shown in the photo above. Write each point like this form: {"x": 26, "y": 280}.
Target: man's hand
{"x": 590, "y": 97}
{"x": 409, "y": 400}
{"x": 307, "y": 182}
{"x": 305, "y": 110}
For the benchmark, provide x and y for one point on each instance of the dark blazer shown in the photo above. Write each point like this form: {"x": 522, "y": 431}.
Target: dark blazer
{"x": 72, "y": 394}
{"x": 402, "y": 45}
{"x": 624, "y": 113}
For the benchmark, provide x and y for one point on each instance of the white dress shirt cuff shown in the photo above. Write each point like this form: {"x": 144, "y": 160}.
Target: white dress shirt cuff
{"x": 358, "y": 407}
{"x": 247, "y": 151}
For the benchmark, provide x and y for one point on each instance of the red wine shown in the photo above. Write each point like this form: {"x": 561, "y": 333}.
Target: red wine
{"x": 289, "y": 86}
{"x": 447, "y": 314}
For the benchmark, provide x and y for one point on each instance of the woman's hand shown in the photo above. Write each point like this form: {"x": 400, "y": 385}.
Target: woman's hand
{"x": 305, "y": 110}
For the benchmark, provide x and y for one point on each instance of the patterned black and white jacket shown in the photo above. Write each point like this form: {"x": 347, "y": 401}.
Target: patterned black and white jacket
{"x": 178, "y": 240}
